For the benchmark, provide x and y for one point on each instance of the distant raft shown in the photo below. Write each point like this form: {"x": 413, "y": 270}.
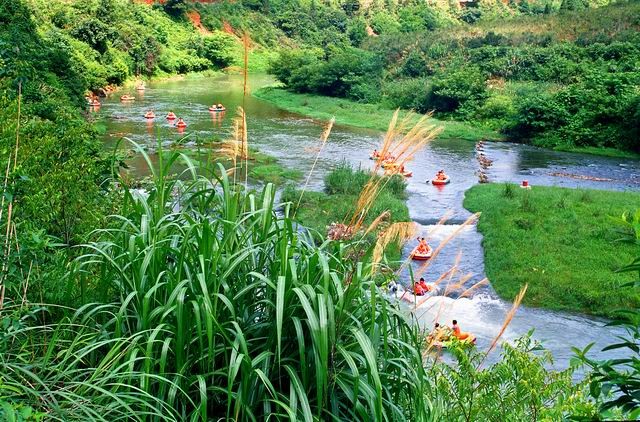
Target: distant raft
{"x": 440, "y": 182}
{"x": 421, "y": 255}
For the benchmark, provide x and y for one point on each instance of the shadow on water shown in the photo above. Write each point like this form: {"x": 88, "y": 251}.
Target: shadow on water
{"x": 293, "y": 139}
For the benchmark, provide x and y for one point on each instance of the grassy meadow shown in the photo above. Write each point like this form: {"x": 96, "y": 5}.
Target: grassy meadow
{"x": 369, "y": 116}
{"x": 560, "y": 242}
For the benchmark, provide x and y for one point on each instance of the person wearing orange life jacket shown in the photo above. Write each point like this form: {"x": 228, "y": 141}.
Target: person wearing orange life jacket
{"x": 460, "y": 335}
{"x": 418, "y": 290}
{"x": 423, "y": 246}
{"x": 424, "y": 285}
{"x": 440, "y": 175}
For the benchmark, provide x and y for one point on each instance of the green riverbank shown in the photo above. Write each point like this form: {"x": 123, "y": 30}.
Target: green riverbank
{"x": 605, "y": 152}
{"x": 369, "y": 116}
{"x": 376, "y": 117}
{"x": 560, "y": 241}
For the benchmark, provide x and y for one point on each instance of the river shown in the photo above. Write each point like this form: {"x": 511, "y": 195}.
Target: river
{"x": 293, "y": 139}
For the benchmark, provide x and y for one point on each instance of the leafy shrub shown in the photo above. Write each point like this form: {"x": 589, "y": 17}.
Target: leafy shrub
{"x": 117, "y": 66}
{"x": 415, "y": 94}
{"x": 417, "y": 18}
{"x": 94, "y": 32}
{"x": 498, "y": 108}
{"x": 414, "y": 65}
{"x": 452, "y": 89}
{"x": 517, "y": 387}
{"x": 218, "y": 49}
{"x": 357, "y": 31}
{"x": 345, "y": 180}
{"x": 179, "y": 61}
{"x": 385, "y": 24}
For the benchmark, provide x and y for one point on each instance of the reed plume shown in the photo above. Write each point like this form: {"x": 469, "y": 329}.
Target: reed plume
{"x": 323, "y": 140}
{"x": 10, "y": 225}
{"x": 480, "y": 283}
{"x": 402, "y": 141}
{"x": 385, "y": 215}
{"x": 237, "y": 147}
{"x": 508, "y": 318}
{"x": 400, "y": 232}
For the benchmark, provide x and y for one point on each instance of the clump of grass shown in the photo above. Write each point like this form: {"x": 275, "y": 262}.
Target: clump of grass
{"x": 562, "y": 203}
{"x": 586, "y": 196}
{"x": 274, "y": 173}
{"x": 526, "y": 203}
{"x": 346, "y": 180}
{"x": 523, "y": 223}
{"x": 509, "y": 190}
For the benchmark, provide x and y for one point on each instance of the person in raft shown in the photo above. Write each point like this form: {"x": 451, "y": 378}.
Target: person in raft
{"x": 423, "y": 246}
{"x": 375, "y": 154}
{"x": 424, "y": 284}
{"x": 440, "y": 175}
{"x": 460, "y": 335}
{"x": 418, "y": 290}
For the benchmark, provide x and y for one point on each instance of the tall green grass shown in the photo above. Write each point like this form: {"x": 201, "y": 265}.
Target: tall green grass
{"x": 203, "y": 303}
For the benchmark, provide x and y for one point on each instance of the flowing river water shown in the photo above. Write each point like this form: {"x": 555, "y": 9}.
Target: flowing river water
{"x": 294, "y": 139}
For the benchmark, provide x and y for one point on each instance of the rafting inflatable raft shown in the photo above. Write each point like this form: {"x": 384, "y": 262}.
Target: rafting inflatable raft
{"x": 421, "y": 256}
{"x": 451, "y": 340}
{"x": 408, "y": 296}
{"x": 440, "y": 182}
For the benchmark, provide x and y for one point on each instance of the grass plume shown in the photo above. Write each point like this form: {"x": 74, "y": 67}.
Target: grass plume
{"x": 509, "y": 317}
{"x": 323, "y": 140}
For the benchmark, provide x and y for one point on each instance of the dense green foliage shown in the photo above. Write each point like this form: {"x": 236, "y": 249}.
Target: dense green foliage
{"x": 112, "y": 40}
{"x": 197, "y": 300}
{"x": 519, "y": 387}
{"x": 617, "y": 381}
{"x": 55, "y": 186}
{"x": 51, "y": 54}
{"x": 220, "y": 308}
{"x": 566, "y": 80}
{"x": 558, "y": 241}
